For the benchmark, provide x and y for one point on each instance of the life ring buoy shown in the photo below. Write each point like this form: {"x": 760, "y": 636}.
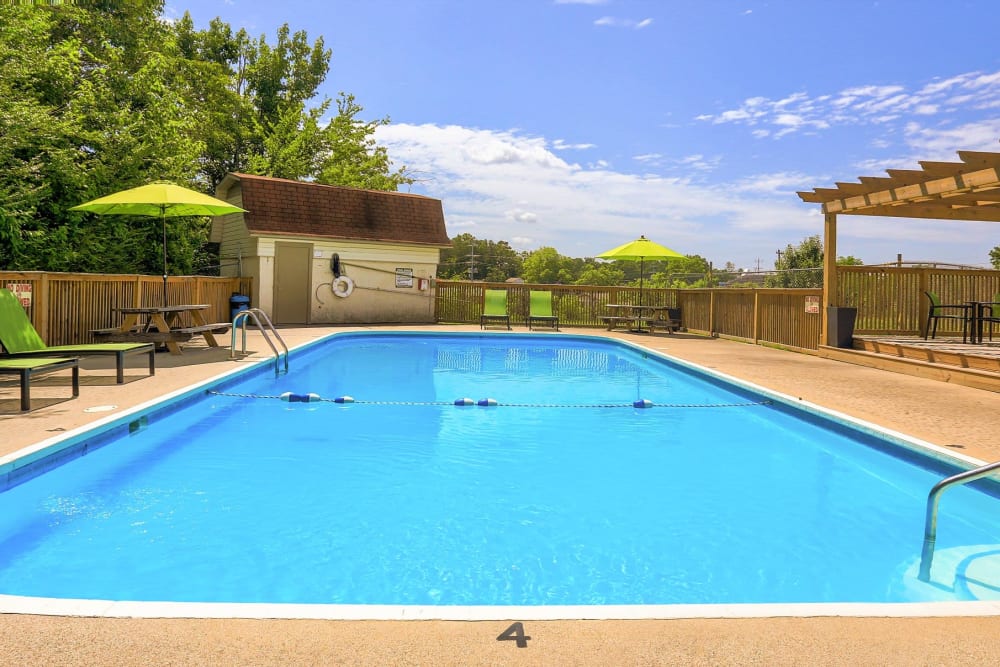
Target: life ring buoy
{"x": 342, "y": 286}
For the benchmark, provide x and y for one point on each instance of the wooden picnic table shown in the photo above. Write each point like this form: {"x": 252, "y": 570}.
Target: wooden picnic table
{"x": 635, "y": 318}
{"x": 163, "y": 324}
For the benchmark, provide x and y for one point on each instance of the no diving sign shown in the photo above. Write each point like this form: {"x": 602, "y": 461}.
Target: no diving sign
{"x": 22, "y": 291}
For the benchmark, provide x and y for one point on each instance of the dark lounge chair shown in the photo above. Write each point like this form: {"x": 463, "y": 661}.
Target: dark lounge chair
{"x": 26, "y": 369}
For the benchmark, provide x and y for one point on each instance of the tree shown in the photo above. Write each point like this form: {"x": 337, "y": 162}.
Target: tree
{"x": 259, "y": 121}
{"x": 103, "y": 96}
{"x": 995, "y": 257}
{"x": 350, "y": 155}
{"x": 92, "y": 103}
{"x": 681, "y": 272}
{"x": 470, "y": 258}
{"x": 546, "y": 266}
{"x": 802, "y": 266}
{"x": 600, "y": 274}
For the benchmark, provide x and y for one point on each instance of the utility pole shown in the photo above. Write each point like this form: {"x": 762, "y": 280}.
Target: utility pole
{"x": 472, "y": 263}
{"x": 779, "y": 257}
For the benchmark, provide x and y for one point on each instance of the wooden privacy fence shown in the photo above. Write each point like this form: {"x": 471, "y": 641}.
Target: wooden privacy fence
{"x": 64, "y": 307}
{"x": 891, "y": 300}
{"x": 774, "y": 316}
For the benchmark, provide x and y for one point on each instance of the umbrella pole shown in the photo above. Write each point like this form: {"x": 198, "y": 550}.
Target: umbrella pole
{"x": 163, "y": 217}
{"x": 641, "y": 262}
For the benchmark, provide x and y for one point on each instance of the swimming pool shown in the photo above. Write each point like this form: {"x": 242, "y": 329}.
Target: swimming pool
{"x": 563, "y": 494}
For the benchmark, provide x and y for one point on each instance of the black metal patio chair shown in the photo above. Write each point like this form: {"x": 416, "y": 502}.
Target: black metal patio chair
{"x": 947, "y": 311}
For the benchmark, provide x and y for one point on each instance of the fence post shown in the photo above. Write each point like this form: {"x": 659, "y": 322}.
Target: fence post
{"x": 925, "y": 285}
{"x": 711, "y": 312}
{"x": 756, "y": 316}
{"x": 41, "y": 308}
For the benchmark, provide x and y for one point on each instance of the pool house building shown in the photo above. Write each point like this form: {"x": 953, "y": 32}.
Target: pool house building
{"x": 324, "y": 254}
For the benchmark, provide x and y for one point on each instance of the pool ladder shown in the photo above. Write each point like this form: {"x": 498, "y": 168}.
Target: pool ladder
{"x": 930, "y": 522}
{"x": 240, "y": 320}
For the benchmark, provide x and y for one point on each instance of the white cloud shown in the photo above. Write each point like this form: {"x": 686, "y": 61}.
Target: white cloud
{"x": 518, "y": 215}
{"x": 944, "y": 143}
{"x": 583, "y": 211}
{"x": 615, "y": 22}
{"x": 523, "y": 193}
{"x": 561, "y": 145}
{"x": 777, "y": 183}
{"x": 860, "y": 105}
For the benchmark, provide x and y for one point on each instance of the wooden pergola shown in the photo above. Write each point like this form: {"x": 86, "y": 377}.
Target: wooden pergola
{"x": 968, "y": 190}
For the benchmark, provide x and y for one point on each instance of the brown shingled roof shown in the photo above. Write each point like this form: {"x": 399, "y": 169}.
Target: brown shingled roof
{"x": 294, "y": 208}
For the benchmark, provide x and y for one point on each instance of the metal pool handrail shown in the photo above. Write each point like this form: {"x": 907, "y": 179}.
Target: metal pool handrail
{"x": 930, "y": 523}
{"x": 256, "y": 314}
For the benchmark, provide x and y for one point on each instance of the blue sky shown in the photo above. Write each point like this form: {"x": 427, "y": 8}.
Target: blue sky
{"x": 581, "y": 124}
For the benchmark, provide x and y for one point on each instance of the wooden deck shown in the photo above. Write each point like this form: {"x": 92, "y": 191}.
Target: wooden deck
{"x": 944, "y": 358}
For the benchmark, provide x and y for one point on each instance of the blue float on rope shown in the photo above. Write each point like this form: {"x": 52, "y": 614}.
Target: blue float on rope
{"x": 487, "y": 402}
{"x": 289, "y": 397}
{"x": 642, "y": 403}
{"x": 464, "y": 401}
{"x": 344, "y": 399}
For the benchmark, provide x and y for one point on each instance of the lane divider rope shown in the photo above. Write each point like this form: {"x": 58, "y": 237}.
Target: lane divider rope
{"x": 642, "y": 403}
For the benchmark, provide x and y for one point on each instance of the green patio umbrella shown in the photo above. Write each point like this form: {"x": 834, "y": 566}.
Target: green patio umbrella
{"x": 640, "y": 249}
{"x": 162, "y": 199}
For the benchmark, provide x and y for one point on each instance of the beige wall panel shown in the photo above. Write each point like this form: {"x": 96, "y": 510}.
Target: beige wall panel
{"x": 376, "y": 298}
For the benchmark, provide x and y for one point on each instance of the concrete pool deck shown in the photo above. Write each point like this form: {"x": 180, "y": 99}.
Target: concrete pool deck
{"x": 957, "y": 418}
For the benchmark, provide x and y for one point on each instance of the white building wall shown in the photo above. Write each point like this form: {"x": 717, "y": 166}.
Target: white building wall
{"x": 378, "y": 297}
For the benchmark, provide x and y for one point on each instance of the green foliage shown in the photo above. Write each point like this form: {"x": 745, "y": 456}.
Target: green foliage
{"x": 680, "y": 272}
{"x": 104, "y": 96}
{"x": 351, "y": 156}
{"x": 92, "y": 104}
{"x": 995, "y": 257}
{"x": 600, "y": 274}
{"x": 802, "y": 265}
{"x": 470, "y": 258}
{"x": 546, "y": 266}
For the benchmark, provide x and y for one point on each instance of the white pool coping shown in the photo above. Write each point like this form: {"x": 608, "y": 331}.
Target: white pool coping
{"x": 14, "y": 604}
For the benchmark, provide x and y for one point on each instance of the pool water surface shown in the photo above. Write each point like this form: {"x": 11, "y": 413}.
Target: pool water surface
{"x": 563, "y": 493}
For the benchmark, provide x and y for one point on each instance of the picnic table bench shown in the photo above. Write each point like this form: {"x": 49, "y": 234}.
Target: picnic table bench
{"x": 617, "y": 321}
{"x": 160, "y": 324}
{"x": 638, "y": 318}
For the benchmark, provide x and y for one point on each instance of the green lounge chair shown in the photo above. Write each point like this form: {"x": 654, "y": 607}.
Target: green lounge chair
{"x": 540, "y": 309}
{"x": 494, "y": 308}
{"x": 19, "y": 339}
{"x": 25, "y": 369}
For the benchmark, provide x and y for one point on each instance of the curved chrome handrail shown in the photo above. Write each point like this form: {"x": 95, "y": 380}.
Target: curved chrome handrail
{"x": 256, "y": 314}
{"x": 930, "y": 522}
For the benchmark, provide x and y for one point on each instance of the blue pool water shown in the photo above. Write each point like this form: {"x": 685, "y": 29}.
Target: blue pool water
{"x": 563, "y": 494}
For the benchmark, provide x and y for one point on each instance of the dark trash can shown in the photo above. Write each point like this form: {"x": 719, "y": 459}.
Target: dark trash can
{"x": 840, "y": 326}
{"x": 238, "y": 303}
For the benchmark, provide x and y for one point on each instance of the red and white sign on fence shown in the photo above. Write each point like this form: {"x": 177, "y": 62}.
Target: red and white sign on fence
{"x": 22, "y": 291}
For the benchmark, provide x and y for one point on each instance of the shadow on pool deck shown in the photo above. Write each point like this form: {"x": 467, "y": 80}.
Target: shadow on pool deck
{"x": 966, "y": 420}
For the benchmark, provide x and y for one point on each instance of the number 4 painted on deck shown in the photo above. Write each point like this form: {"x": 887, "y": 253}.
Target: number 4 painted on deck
{"x": 515, "y": 632}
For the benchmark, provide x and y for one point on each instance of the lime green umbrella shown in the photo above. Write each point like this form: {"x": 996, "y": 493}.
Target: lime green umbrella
{"x": 640, "y": 249}
{"x": 161, "y": 199}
